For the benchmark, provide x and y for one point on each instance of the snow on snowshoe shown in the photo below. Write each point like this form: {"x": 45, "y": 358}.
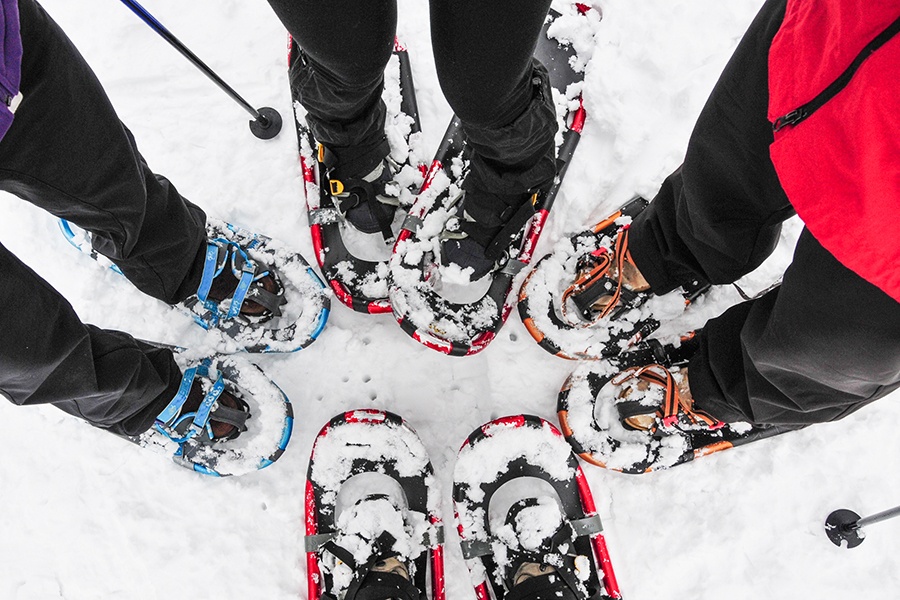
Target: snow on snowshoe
{"x": 355, "y": 263}
{"x": 576, "y": 304}
{"x": 462, "y": 318}
{"x": 523, "y": 507}
{"x": 373, "y": 526}
{"x": 629, "y": 415}
{"x": 228, "y": 418}
{"x": 290, "y": 316}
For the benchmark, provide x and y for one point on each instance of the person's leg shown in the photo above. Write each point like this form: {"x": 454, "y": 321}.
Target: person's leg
{"x": 339, "y": 76}
{"x": 820, "y": 347}
{"x": 68, "y": 153}
{"x": 719, "y": 215}
{"x": 47, "y": 355}
{"x": 483, "y": 53}
{"x": 502, "y": 95}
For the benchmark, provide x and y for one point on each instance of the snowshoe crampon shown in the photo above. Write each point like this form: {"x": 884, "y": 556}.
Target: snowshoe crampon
{"x": 574, "y": 304}
{"x": 364, "y": 463}
{"x": 301, "y": 304}
{"x": 525, "y": 456}
{"x": 355, "y": 264}
{"x": 263, "y": 420}
{"x": 431, "y": 311}
{"x": 598, "y": 419}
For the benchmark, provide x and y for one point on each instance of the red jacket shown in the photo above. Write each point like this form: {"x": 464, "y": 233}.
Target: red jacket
{"x": 840, "y": 166}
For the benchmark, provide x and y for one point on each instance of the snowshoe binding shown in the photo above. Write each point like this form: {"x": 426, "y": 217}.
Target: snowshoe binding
{"x": 526, "y": 516}
{"x": 440, "y": 306}
{"x": 373, "y": 530}
{"x": 260, "y": 295}
{"x": 355, "y": 204}
{"x": 577, "y": 302}
{"x": 227, "y": 418}
{"x": 635, "y": 415}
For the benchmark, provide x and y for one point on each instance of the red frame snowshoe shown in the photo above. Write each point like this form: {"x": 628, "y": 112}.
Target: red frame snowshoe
{"x": 421, "y": 495}
{"x": 324, "y": 218}
{"x": 575, "y": 499}
{"x": 432, "y": 203}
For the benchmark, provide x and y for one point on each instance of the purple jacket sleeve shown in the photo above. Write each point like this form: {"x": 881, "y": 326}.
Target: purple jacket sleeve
{"x": 10, "y": 61}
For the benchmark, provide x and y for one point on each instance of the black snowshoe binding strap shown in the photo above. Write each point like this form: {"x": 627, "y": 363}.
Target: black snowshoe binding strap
{"x": 374, "y": 585}
{"x": 545, "y": 587}
{"x": 349, "y": 190}
{"x": 511, "y": 229}
{"x": 549, "y": 553}
{"x": 384, "y": 586}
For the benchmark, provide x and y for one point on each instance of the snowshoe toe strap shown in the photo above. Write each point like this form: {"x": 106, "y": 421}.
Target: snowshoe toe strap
{"x": 674, "y": 412}
{"x": 244, "y": 280}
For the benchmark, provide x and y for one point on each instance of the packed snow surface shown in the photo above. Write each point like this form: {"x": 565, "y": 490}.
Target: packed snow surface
{"x": 86, "y": 515}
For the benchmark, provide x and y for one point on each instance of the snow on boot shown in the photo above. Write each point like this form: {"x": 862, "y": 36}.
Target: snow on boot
{"x": 479, "y": 236}
{"x": 643, "y": 418}
{"x": 442, "y": 246}
{"x": 260, "y": 295}
{"x": 227, "y": 418}
{"x": 371, "y": 554}
{"x": 538, "y": 541}
{"x": 587, "y": 300}
{"x": 354, "y": 202}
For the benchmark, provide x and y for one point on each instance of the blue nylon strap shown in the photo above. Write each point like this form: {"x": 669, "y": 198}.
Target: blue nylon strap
{"x": 201, "y": 418}
{"x": 241, "y": 291}
{"x": 172, "y": 410}
{"x": 210, "y": 264}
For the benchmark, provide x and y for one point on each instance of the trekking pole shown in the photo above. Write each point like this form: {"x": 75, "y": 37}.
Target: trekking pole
{"x": 845, "y": 525}
{"x": 266, "y": 121}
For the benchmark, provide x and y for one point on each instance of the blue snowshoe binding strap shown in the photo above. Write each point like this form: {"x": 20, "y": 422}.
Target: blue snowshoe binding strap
{"x": 181, "y": 426}
{"x": 222, "y": 254}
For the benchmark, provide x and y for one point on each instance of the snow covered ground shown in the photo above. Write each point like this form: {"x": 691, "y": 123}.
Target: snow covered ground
{"x": 85, "y": 515}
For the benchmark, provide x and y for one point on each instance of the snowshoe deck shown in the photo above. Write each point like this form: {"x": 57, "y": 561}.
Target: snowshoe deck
{"x": 268, "y": 427}
{"x": 303, "y": 316}
{"x": 368, "y": 442}
{"x": 359, "y": 283}
{"x": 464, "y": 328}
{"x": 542, "y": 295}
{"x": 592, "y": 427}
{"x": 517, "y": 447}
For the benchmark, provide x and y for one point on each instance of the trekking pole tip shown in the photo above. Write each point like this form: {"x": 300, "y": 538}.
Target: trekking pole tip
{"x": 842, "y": 526}
{"x": 267, "y": 125}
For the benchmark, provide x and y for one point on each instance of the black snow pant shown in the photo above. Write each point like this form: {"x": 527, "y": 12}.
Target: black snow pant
{"x": 483, "y": 54}
{"x": 68, "y": 153}
{"x": 823, "y": 344}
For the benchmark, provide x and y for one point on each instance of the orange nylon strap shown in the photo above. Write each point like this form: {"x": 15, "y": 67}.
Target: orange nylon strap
{"x": 597, "y": 272}
{"x": 672, "y": 403}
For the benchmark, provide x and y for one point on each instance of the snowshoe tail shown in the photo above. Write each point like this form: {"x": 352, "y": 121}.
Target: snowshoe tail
{"x": 465, "y": 328}
{"x": 358, "y": 283}
{"x": 509, "y": 449}
{"x": 369, "y": 442}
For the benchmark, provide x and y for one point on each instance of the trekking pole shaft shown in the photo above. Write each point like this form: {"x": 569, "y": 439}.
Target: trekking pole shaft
{"x": 878, "y": 517}
{"x": 150, "y": 20}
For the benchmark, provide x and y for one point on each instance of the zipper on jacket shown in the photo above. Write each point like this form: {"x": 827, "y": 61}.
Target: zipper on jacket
{"x": 799, "y": 114}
